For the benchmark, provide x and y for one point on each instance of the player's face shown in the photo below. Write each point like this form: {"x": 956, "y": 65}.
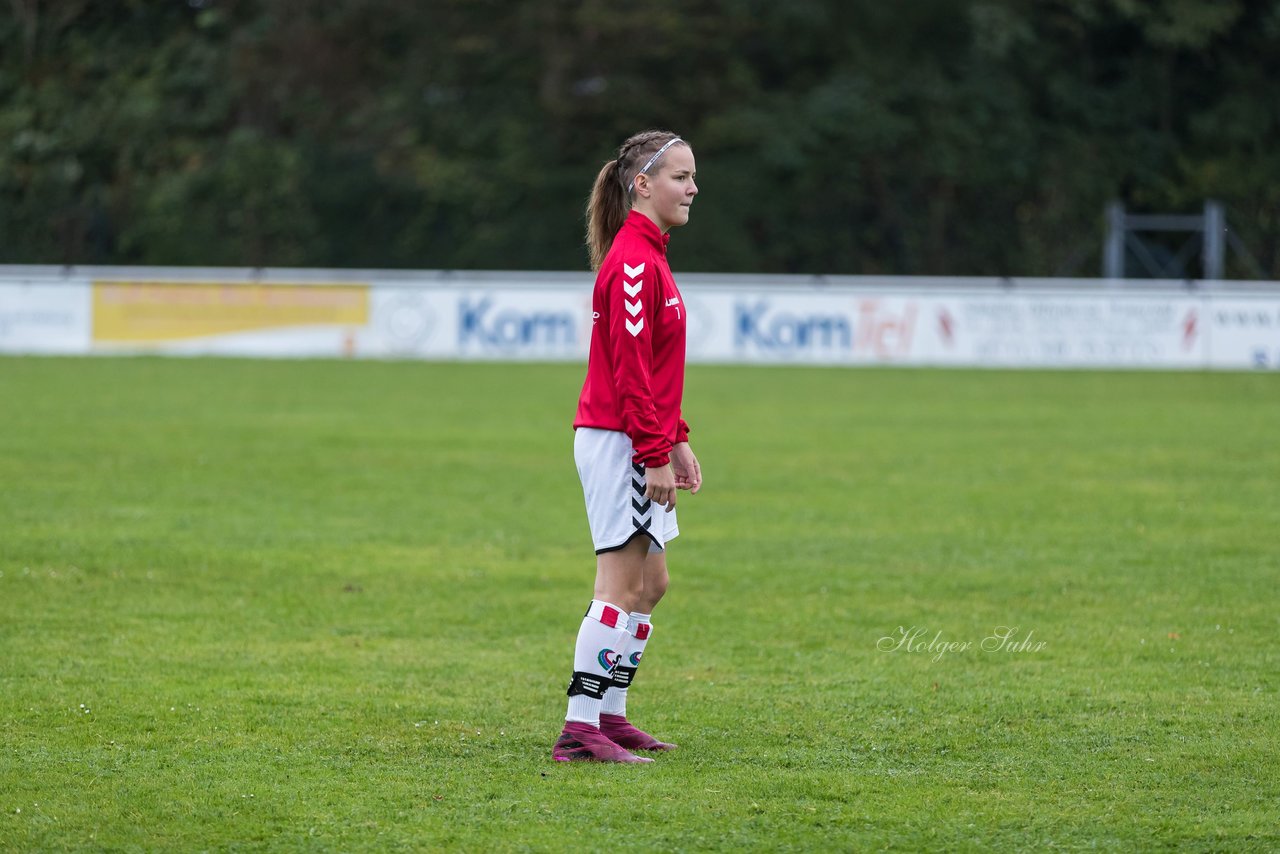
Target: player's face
{"x": 672, "y": 189}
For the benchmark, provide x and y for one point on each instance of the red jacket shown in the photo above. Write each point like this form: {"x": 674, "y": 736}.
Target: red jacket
{"x": 635, "y": 370}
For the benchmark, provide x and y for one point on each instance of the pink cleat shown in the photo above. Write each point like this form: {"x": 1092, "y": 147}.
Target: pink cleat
{"x": 580, "y": 742}
{"x": 620, "y": 731}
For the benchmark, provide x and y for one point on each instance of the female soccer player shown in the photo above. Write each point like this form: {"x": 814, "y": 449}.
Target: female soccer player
{"x": 630, "y": 443}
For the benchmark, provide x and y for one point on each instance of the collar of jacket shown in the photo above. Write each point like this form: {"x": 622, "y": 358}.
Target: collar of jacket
{"x": 648, "y": 229}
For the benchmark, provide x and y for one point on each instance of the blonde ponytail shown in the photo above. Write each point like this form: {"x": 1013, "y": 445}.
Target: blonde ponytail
{"x": 606, "y": 212}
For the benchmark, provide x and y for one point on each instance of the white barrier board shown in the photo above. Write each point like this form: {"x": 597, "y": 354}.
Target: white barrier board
{"x": 1244, "y": 332}
{"x": 547, "y": 316}
{"x": 37, "y": 317}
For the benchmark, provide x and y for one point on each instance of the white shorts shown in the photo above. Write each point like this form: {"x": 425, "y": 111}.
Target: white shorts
{"x": 613, "y": 487}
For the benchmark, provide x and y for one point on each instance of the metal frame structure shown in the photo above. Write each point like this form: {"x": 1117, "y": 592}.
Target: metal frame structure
{"x": 1209, "y": 234}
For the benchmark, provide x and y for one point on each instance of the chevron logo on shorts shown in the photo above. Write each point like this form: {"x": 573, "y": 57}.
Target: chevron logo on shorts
{"x": 641, "y": 506}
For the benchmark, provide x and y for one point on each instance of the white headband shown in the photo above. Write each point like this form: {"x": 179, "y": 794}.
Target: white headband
{"x": 653, "y": 160}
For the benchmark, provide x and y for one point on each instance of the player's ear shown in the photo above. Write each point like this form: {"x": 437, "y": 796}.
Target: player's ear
{"x": 642, "y": 186}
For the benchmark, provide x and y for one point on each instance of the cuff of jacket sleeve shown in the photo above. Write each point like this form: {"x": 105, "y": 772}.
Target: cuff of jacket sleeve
{"x": 656, "y": 461}
{"x": 682, "y": 432}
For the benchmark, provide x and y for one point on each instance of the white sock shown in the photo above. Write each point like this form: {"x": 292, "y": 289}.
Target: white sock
{"x": 615, "y": 699}
{"x": 601, "y": 639}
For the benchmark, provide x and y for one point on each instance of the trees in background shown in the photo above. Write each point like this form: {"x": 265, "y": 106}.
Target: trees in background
{"x": 979, "y": 137}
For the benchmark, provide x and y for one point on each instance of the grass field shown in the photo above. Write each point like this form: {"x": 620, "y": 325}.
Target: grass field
{"x": 331, "y": 606}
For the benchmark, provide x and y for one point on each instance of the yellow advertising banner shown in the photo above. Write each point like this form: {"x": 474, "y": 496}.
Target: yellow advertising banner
{"x": 139, "y": 312}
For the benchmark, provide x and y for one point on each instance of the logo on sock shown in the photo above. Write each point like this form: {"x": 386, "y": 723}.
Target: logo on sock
{"x": 608, "y": 659}
{"x": 635, "y": 659}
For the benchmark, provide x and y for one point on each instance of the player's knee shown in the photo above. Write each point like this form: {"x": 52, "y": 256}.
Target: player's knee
{"x": 655, "y": 589}
{"x": 635, "y": 593}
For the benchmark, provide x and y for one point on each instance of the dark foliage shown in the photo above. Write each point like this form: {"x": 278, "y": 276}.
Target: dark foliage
{"x": 978, "y": 137}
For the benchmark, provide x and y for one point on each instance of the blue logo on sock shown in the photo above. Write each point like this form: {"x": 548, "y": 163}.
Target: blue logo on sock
{"x": 608, "y": 659}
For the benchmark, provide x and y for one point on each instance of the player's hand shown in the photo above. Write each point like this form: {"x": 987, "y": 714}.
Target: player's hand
{"x": 660, "y": 486}
{"x": 685, "y": 465}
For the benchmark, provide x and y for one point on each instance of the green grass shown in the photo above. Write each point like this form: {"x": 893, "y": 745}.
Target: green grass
{"x": 331, "y": 606}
